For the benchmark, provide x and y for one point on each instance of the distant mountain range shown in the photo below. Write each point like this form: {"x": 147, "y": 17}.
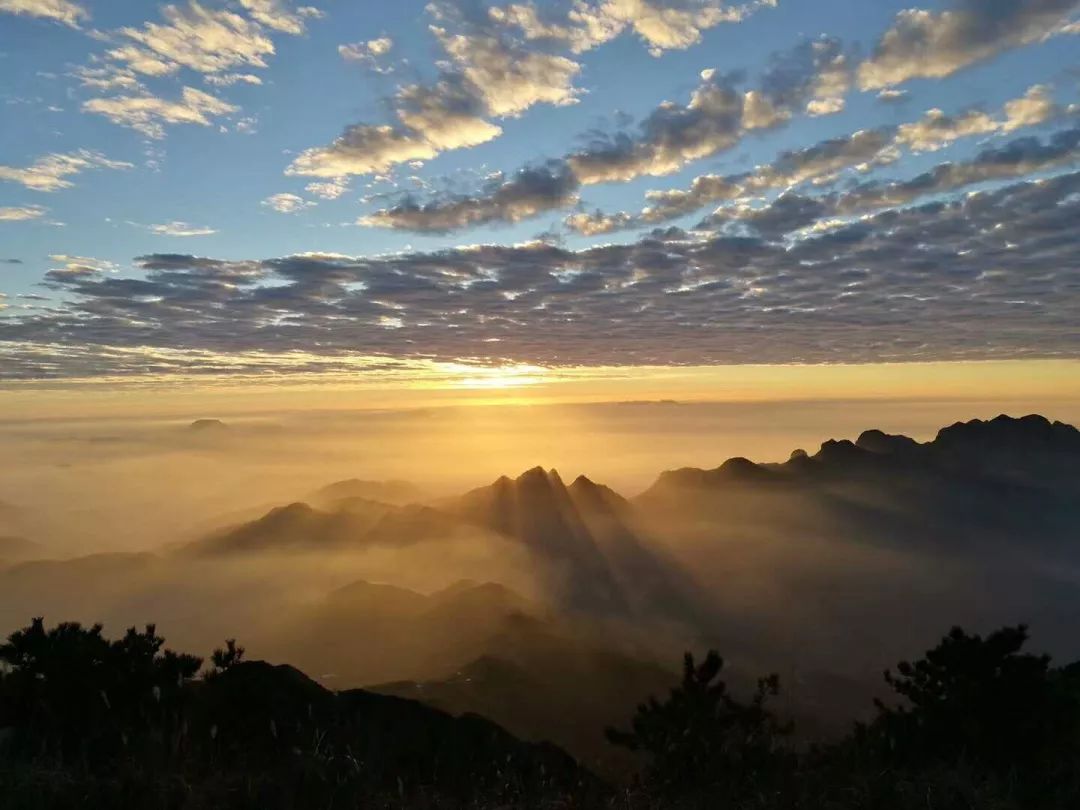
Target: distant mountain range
{"x": 995, "y": 482}
{"x": 474, "y": 647}
{"x": 989, "y": 483}
{"x": 826, "y": 566}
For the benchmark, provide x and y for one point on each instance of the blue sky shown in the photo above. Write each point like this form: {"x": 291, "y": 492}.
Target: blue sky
{"x": 549, "y": 121}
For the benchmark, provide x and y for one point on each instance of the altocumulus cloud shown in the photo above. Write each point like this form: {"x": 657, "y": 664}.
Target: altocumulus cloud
{"x": 988, "y": 275}
{"x": 499, "y": 63}
{"x": 928, "y": 44}
{"x": 16, "y": 213}
{"x": 221, "y": 44}
{"x": 64, "y": 11}
{"x": 716, "y": 117}
{"x": 50, "y": 172}
{"x": 823, "y": 163}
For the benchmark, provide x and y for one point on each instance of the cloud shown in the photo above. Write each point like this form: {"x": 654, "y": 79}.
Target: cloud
{"x": 329, "y": 189}
{"x": 491, "y": 73}
{"x": 984, "y": 276}
{"x": 823, "y": 162}
{"x": 1017, "y": 158}
{"x": 486, "y": 74}
{"x": 716, "y": 117}
{"x": 667, "y": 139}
{"x": 890, "y": 95}
{"x": 432, "y": 119}
{"x": 194, "y": 37}
{"x": 19, "y": 213}
{"x": 11, "y": 261}
{"x": 815, "y": 75}
{"x": 446, "y": 115}
{"x": 148, "y": 114}
{"x": 525, "y": 194}
{"x": 670, "y": 137}
{"x": 674, "y": 25}
{"x": 369, "y": 53}
{"x": 229, "y": 79}
{"x": 793, "y": 211}
{"x": 179, "y": 228}
{"x": 508, "y": 78}
{"x": 277, "y": 15}
{"x": 661, "y": 24}
{"x": 936, "y": 129}
{"x": 285, "y": 203}
{"x": 596, "y": 222}
{"x": 222, "y": 44}
{"x": 49, "y": 173}
{"x": 64, "y": 11}
{"x": 80, "y": 265}
{"x": 928, "y": 44}
{"x": 108, "y": 78}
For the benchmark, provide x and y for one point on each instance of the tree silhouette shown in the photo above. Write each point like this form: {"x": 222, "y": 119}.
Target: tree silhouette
{"x": 702, "y": 736}
{"x": 229, "y": 656}
{"x": 74, "y": 695}
{"x": 980, "y": 700}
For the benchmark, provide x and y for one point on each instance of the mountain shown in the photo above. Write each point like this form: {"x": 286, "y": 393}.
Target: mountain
{"x": 589, "y": 535}
{"x": 352, "y": 523}
{"x": 976, "y": 482}
{"x": 122, "y": 724}
{"x": 544, "y": 686}
{"x": 537, "y": 509}
{"x": 12, "y": 518}
{"x": 584, "y": 537}
{"x": 17, "y": 549}
{"x": 208, "y": 426}
{"x": 1030, "y": 449}
{"x": 397, "y": 493}
{"x": 473, "y": 648}
{"x": 368, "y": 632}
{"x": 259, "y": 710}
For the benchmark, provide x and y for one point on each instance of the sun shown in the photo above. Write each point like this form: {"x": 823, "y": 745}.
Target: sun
{"x": 499, "y": 377}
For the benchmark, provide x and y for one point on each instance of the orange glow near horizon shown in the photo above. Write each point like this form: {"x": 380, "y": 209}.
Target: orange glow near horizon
{"x": 428, "y": 384}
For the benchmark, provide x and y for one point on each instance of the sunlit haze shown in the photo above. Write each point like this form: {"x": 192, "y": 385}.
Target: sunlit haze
{"x": 441, "y": 379}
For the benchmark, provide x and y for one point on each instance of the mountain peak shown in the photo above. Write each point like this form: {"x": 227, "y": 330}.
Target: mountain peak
{"x": 877, "y": 441}
{"x": 739, "y": 467}
{"x": 207, "y": 425}
{"x": 1030, "y": 426}
{"x": 538, "y": 474}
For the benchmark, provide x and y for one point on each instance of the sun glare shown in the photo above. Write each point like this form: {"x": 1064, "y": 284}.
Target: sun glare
{"x": 500, "y": 377}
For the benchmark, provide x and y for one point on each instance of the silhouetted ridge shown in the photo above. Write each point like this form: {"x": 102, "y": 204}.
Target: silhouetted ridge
{"x": 207, "y": 426}
{"x": 877, "y": 441}
{"x": 734, "y": 471}
{"x": 1001, "y": 446}
{"x": 397, "y": 493}
{"x": 1028, "y": 433}
{"x": 19, "y": 548}
{"x": 841, "y": 451}
{"x": 538, "y": 509}
{"x": 598, "y": 498}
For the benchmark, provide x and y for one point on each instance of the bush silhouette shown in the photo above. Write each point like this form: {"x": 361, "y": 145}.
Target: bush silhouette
{"x": 981, "y": 700}
{"x": 702, "y": 736}
{"x": 74, "y": 696}
{"x": 88, "y": 722}
{"x": 229, "y": 656}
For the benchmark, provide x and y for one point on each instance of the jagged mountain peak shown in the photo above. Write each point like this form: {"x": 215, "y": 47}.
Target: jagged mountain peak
{"x": 1003, "y": 429}
{"x": 1000, "y": 447}
{"x": 878, "y": 441}
{"x": 207, "y": 426}
{"x": 539, "y": 476}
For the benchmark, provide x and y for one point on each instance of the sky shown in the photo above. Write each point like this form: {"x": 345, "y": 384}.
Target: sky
{"x": 674, "y": 193}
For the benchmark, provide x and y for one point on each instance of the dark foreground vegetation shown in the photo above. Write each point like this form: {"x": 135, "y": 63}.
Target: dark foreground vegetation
{"x": 87, "y": 722}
